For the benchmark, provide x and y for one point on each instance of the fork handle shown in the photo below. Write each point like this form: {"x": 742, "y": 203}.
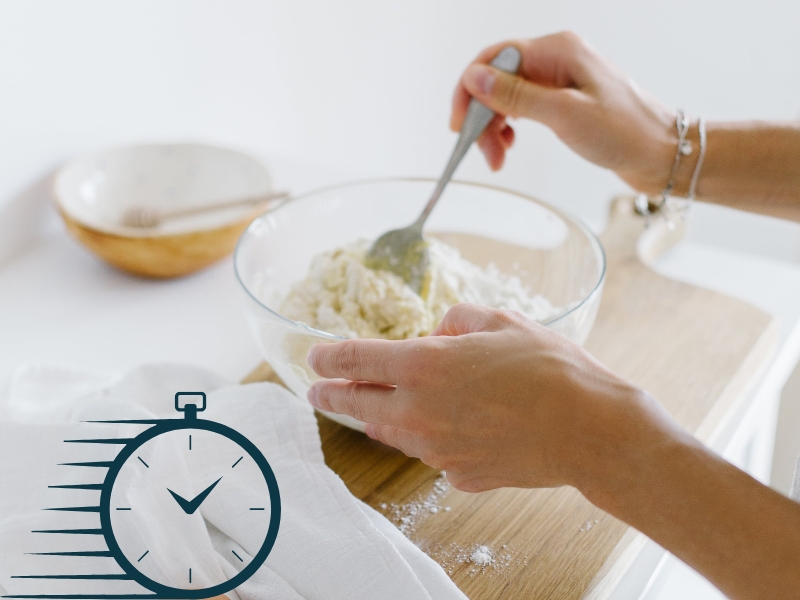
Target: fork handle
{"x": 478, "y": 117}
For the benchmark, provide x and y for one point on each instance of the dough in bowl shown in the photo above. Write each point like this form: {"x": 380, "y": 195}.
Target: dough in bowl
{"x": 340, "y": 295}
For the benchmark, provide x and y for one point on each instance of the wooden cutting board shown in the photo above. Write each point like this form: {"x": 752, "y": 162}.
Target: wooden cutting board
{"x": 697, "y": 351}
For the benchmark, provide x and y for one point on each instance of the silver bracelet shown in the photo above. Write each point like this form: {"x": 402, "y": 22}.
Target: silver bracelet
{"x": 701, "y": 127}
{"x": 665, "y": 205}
{"x": 684, "y": 149}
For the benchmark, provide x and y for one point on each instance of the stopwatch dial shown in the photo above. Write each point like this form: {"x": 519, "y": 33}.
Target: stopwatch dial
{"x": 189, "y": 509}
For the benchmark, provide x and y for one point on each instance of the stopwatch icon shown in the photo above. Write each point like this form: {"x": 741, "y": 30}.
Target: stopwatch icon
{"x": 143, "y": 502}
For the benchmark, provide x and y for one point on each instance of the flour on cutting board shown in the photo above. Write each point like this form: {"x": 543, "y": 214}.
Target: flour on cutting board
{"x": 482, "y": 556}
{"x": 478, "y": 558}
{"x": 407, "y": 516}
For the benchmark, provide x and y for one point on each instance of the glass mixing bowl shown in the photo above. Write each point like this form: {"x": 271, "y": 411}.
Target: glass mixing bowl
{"x": 552, "y": 253}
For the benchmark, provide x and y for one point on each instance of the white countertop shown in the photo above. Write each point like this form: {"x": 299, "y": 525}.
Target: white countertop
{"x": 60, "y": 304}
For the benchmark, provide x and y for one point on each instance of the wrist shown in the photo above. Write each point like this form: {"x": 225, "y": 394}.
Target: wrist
{"x": 653, "y": 177}
{"x": 633, "y": 441}
{"x": 683, "y": 173}
{"x": 653, "y": 154}
{"x": 665, "y": 144}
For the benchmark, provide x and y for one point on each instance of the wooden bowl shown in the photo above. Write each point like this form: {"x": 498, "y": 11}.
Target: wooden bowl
{"x": 93, "y": 192}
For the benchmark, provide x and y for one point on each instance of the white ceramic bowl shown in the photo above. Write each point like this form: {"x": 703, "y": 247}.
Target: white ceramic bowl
{"x": 552, "y": 253}
{"x": 93, "y": 192}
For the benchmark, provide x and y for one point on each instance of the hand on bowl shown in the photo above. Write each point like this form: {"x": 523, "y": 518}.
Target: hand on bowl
{"x": 491, "y": 397}
{"x": 549, "y": 252}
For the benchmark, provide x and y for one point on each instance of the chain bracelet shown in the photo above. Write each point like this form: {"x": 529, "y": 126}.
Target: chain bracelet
{"x": 701, "y": 130}
{"x": 684, "y": 149}
{"x": 664, "y": 204}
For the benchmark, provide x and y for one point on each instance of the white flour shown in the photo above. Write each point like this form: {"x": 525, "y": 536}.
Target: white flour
{"x": 475, "y": 559}
{"x": 406, "y": 516}
{"x": 341, "y": 295}
{"x": 478, "y": 559}
{"x": 482, "y": 556}
{"x": 588, "y": 525}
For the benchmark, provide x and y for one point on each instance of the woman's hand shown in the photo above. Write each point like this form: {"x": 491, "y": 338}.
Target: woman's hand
{"x": 492, "y": 398}
{"x": 497, "y": 400}
{"x": 589, "y": 103}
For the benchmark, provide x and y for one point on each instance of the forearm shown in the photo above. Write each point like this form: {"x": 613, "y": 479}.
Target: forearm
{"x": 749, "y": 165}
{"x": 601, "y": 115}
{"x": 741, "y": 535}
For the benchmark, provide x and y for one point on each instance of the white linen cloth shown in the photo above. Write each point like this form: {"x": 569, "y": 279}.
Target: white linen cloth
{"x": 330, "y": 544}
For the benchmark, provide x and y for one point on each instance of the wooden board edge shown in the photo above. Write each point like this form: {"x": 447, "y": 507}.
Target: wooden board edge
{"x": 716, "y": 421}
{"x": 616, "y": 565}
{"x": 730, "y": 404}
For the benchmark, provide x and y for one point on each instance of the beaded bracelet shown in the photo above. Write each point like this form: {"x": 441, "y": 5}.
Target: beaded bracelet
{"x": 666, "y": 205}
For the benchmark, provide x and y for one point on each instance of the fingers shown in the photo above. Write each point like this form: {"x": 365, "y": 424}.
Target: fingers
{"x": 495, "y": 140}
{"x": 553, "y": 63}
{"x": 377, "y": 361}
{"x": 466, "y": 318}
{"x": 512, "y": 95}
{"x": 461, "y": 96}
{"x": 493, "y": 151}
{"x": 410, "y": 445}
{"x": 409, "y": 442}
{"x": 507, "y": 136}
{"x": 394, "y": 436}
{"x": 368, "y": 402}
{"x": 461, "y": 100}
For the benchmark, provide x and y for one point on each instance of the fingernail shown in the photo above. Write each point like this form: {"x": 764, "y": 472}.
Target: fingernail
{"x": 480, "y": 78}
{"x": 313, "y": 396}
{"x": 369, "y": 429}
{"x": 310, "y": 357}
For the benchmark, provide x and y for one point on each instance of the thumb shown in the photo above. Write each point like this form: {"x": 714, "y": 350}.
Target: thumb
{"x": 512, "y": 95}
{"x": 469, "y": 318}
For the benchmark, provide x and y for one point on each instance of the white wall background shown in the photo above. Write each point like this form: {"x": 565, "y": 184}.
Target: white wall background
{"x": 360, "y": 86}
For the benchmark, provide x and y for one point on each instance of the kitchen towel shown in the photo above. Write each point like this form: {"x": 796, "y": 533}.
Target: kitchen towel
{"x": 330, "y": 545}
